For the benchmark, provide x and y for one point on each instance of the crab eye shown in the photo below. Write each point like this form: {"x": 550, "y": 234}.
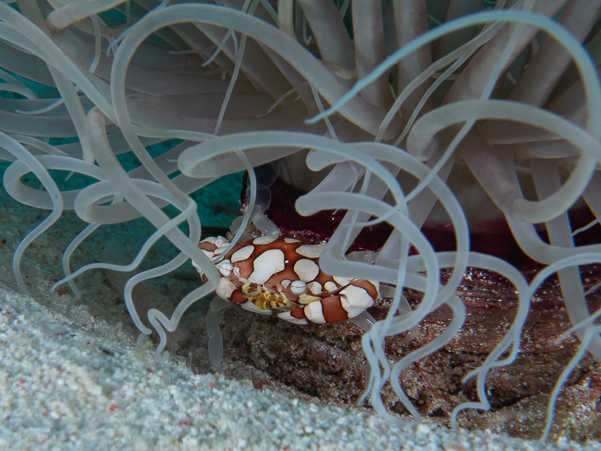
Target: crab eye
{"x": 298, "y": 287}
{"x": 225, "y": 268}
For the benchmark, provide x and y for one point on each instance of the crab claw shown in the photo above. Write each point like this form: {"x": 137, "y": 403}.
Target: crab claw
{"x": 350, "y": 302}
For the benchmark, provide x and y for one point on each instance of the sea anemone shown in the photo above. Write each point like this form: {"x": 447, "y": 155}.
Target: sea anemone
{"x": 455, "y": 118}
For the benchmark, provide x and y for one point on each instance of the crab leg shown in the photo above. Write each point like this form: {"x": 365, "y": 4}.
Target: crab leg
{"x": 350, "y": 302}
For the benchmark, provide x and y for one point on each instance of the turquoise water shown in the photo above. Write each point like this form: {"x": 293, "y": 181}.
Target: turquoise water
{"x": 218, "y": 202}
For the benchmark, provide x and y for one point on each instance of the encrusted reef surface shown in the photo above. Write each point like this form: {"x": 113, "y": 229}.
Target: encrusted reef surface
{"x": 327, "y": 361}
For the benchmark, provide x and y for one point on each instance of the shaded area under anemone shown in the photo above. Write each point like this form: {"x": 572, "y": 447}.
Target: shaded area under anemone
{"x": 493, "y": 238}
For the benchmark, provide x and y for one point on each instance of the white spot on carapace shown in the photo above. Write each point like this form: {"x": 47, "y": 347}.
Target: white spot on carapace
{"x": 284, "y": 283}
{"x": 291, "y": 240}
{"x": 310, "y": 250}
{"x": 225, "y": 288}
{"x": 216, "y": 240}
{"x": 266, "y": 265}
{"x": 265, "y": 239}
{"x": 220, "y": 250}
{"x": 314, "y": 312}
{"x": 298, "y": 287}
{"x": 314, "y": 287}
{"x": 330, "y": 286}
{"x": 242, "y": 253}
{"x": 253, "y": 308}
{"x": 288, "y": 317}
{"x": 221, "y": 241}
{"x": 355, "y": 300}
{"x": 225, "y": 268}
{"x": 342, "y": 281}
{"x": 306, "y": 269}
{"x": 209, "y": 254}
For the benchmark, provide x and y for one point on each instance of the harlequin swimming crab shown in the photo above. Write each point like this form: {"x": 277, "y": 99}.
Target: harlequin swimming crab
{"x": 281, "y": 275}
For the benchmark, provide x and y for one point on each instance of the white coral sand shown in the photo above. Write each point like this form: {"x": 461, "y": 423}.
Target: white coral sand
{"x": 64, "y": 385}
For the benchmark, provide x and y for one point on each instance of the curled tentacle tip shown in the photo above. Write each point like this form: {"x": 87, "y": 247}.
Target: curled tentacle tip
{"x": 162, "y": 357}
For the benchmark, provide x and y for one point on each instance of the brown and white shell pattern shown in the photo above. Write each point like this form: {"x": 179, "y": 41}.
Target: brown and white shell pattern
{"x": 281, "y": 274}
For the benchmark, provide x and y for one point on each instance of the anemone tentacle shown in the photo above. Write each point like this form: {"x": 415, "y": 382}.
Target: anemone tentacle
{"x": 429, "y": 120}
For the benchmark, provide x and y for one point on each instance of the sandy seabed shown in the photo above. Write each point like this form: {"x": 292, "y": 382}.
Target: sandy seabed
{"x": 81, "y": 382}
